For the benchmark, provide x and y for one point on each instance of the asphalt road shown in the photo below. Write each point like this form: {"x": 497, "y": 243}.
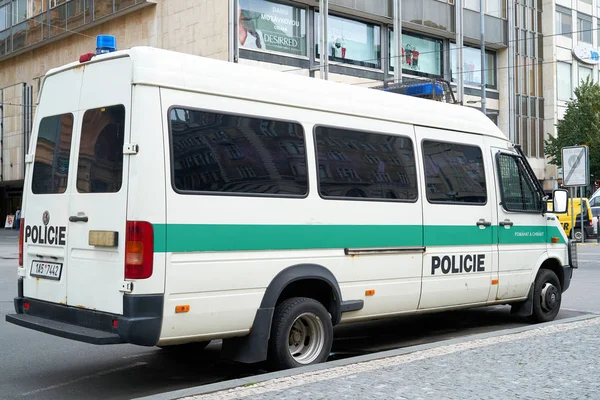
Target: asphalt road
{"x": 39, "y": 366}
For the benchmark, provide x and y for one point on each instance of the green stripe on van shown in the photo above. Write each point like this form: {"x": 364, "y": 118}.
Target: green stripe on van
{"x": 199, "y": 238}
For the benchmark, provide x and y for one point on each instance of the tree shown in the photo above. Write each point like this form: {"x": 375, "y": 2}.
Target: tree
{"x": 579, "y": 127}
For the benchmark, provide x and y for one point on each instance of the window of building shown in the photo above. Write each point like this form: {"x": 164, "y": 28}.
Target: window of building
{"x": 235, "y": 155}
{"x": 472, "y": 66}
{"x": 454, "y": 173}
{"x": 385, "y": 170}
{"x": 19, "y": 11}
{"x": 496, "y": 8}
{"x": 585, "y": 73}
{"x": 100, "y": 167}
{"x": 271, "y": 26}
{"x": 4, "y": 20}
{"x": 564, "y": 23}
{"x": 52, "y": 155}
{"x": 351, "y": 42}
{"x": 518, "y": 190}
{"x": 563, "y": 76}
{"x": 584, "y": 28}
{"x": 420, "y": 54}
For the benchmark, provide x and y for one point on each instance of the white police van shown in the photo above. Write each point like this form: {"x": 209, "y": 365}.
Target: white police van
{"x": 171, "y": 199}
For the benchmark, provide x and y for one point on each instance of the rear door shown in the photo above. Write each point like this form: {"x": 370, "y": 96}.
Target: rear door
{"x": 98, "y": 202}
{"x": 47, "y": 189}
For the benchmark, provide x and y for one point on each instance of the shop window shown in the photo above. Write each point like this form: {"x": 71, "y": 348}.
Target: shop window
{"x": 270, "y": 26}
{"x": 419, "y": 54}
{"x": 351, "y": 42}
{"x": 472, "y": 66}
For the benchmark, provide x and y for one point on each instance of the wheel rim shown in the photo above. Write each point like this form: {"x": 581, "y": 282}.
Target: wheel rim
{"x": 550, "y": 297}
{"x": 577, "y": 236}
{"x": 306, "y": 338}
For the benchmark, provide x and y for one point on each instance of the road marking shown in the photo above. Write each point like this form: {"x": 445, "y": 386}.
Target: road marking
{"x": 338, "y": 372}
{"x": 83, "y": 378}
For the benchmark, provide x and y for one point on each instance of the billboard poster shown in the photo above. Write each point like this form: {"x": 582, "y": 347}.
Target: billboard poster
{"x": 269, "y": 26}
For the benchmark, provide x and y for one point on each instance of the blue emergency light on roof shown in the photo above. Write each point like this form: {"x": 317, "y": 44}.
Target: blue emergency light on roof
{"x": 105, "y": 44}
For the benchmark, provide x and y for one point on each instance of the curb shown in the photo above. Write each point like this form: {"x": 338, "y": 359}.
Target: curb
{"x": 230, "y": 384}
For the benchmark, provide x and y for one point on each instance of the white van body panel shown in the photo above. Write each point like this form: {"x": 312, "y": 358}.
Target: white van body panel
{"x": 216, "y": 255}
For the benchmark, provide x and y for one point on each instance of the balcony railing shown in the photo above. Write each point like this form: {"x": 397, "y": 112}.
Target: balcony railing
{"x": 61, "y": 21}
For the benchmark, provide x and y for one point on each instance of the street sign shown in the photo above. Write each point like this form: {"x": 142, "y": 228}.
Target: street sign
{"x": 575, "y": 166}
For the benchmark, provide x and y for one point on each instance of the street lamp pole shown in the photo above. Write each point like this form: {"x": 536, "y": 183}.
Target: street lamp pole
{"x": 483, "y": 68}
{"x": 397, "y": 62}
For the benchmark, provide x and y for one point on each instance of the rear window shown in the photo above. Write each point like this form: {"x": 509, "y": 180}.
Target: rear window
{"x": 52, "y": 152}
{"x": 100, "y": 167}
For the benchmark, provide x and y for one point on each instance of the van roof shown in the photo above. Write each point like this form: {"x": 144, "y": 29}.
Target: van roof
{"x": 165, "y": 68}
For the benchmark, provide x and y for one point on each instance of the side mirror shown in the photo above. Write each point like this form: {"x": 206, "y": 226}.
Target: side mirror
{"x": 560, "y": 199}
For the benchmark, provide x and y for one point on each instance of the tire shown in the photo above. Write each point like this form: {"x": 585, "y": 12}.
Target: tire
{"x": 577, "y": 235}
{"x": 301, "y": 334}
{"x": 547, "y": 296}
{"x": 187, "y": 347}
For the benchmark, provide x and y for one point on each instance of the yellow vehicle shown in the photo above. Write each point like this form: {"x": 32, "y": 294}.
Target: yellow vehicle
{"x": 566, "y": 219}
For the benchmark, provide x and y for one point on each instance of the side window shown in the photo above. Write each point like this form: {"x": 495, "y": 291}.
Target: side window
{"x": 518, "y": 191}
{"x": 100, "y": 167}
{"x": 224, "y": 153}
{"x": 52, "y": 152}
{"x": 454, "y": 173}
{"x": 354, "y": 164}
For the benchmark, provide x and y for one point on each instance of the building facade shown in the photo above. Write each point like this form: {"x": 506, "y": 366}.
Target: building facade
{"x": 572, "y": 48}
{"x": 283, "y": 35}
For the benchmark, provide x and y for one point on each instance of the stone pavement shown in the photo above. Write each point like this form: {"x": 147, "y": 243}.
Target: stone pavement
{"x": 557, "y": 360}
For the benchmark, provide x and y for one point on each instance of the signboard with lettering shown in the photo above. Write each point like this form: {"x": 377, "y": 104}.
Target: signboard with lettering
{"x": 269, "y": 26}
{"x": 587, "y": 54}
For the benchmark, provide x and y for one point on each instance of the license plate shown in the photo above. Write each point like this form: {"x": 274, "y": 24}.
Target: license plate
{"x": 46, "y": 270}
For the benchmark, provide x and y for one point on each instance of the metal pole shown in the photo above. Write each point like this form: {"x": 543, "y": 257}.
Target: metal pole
{"x": 581, "y": 213}
{"x": 511, "y": 74}
{"x": 572, "y": 213}
{"x": 324, "y": 51}
{"x": 483, "y": 69}
{"x": 233, "y": 30}
{"x": 397, "y": 62}
{"x": 460, "y": 88}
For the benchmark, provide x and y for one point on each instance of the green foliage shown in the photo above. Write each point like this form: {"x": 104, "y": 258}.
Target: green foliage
{"x": 579, "y": 127}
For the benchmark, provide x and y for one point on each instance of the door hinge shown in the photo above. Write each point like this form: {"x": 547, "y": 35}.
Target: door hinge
{"x": 126, "y": 287}
{"x": 131, "y": 148}
{"x": 28, "y": 158}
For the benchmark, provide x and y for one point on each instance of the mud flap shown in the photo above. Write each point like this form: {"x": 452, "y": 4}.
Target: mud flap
{"x": 524, "y": 309}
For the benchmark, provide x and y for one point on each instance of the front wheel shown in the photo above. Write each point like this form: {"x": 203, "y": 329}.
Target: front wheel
{"x": 547, "y": 296}
{"x": 301, "y": 334}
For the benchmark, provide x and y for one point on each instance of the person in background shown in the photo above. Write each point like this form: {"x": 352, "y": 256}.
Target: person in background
{"x": 17, "y": 218}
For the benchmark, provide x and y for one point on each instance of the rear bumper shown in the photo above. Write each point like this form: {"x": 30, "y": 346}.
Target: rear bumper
{"x": 140, "y": 323}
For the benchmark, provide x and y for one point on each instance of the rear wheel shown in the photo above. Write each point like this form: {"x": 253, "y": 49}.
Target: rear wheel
{"x": 578, "y": 235}
{"x": 547, "y": 296}
{"x": 301, "y": 334}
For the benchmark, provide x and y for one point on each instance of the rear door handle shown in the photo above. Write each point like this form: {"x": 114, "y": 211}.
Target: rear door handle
{"x": 506, "y": 222}
{"x": 483, "y": 222}
{"x": 75, "y": 218}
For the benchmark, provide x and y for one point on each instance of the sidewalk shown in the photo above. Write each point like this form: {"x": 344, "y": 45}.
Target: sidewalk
{"x": 557, "y": 360}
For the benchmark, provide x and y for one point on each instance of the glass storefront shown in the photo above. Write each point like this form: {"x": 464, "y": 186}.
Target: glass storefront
{"x": 472, "y": 66}
{"x": 351, "y": 42}
{"x": 419, "y": 54}
{"x": 265, "y": 25}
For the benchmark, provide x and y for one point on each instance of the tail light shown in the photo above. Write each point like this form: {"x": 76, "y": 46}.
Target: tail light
{"x": 139, "y": 250}
{"x": 21, "y": 230}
